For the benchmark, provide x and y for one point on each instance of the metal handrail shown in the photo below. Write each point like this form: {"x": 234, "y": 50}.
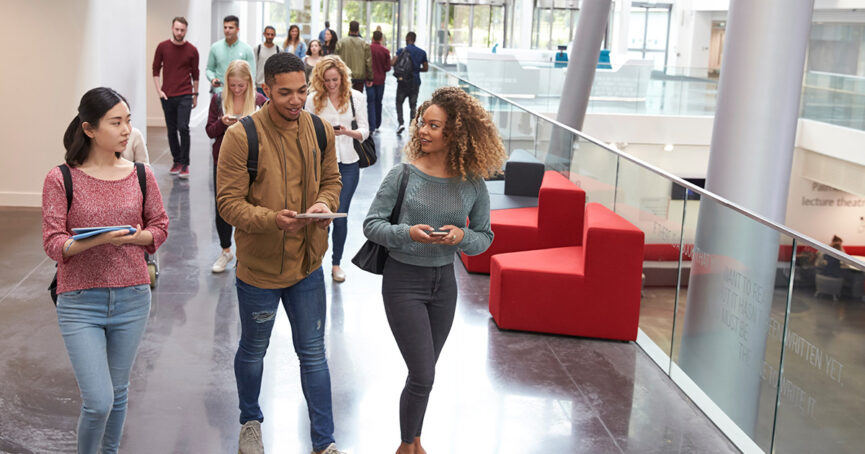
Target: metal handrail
{"x": 821, "y": 247}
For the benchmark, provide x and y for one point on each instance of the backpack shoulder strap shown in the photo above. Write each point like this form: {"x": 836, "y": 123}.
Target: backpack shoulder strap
{"x": 67, "y": 184}
{"x": 142, "y": 181}
{"x": 320, "y": 135}
{"x": 258, "y": 52}
{"x": 252, "y": 145}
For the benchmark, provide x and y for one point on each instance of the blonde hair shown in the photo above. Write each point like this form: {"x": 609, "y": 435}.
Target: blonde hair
{"x": 317, "y": 82}
{"x": 239, "y": 69}
{"x": 476, "y": 151}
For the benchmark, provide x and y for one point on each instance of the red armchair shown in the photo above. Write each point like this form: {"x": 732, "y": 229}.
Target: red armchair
{"x": 591, "y": 290}
{"x": 556, "y": 221}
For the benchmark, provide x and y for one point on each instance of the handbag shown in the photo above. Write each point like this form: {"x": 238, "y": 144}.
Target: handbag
{"x": 366, "y": 149}
{"x": 372, "y": 256}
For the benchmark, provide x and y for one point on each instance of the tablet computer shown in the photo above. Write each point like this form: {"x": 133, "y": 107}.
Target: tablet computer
{"x": 320, "y": 215}
{"x": 86, "y": 232}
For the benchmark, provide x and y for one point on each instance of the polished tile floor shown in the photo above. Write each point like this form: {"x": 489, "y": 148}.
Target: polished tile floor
{"x": 496, "y": 391}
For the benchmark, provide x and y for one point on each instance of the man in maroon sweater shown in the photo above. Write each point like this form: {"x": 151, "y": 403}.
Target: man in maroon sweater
{"x": 178, "y": 93}
{"x": 375, "y": 92}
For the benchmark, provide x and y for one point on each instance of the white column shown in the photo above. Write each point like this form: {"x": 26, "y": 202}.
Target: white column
{"x": 624, "y": 19}
{"x": 733, "y": 272}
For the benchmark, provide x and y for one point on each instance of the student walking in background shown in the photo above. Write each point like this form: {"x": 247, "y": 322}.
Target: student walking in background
{"x": 103, "y": 285}
{"x": 313, "y": 55}
{"x": 452, "y": 148}
{"x": 380, "y": 67}
{"x": 225, "y": 51}
{"x": 333, "y": 99}
{"x": 178, "y": 91}
{"x": 329, "y": 43}
{"x": 226, "y": 108}
{"x": 354, "y": 51}
{"x": 262, "y": 52}
{"x": 408, "y": 83}
{"x": 294, "y": 43}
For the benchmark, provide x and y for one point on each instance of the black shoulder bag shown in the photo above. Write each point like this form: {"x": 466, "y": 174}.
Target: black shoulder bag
{"x": 371, "y": 256}
{"x": 366, "y": 149}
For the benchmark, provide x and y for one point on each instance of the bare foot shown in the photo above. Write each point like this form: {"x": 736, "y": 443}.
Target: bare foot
{"x": 418, "y": 449}
{"x": 405, "y": 448}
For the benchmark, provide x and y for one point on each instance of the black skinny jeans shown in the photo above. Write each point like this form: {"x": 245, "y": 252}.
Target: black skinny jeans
{"x": 222, "y": 228}
{"x": 419, "y": 302}
{"x": 410, "y": 90}
{"x": 177, "y": 110}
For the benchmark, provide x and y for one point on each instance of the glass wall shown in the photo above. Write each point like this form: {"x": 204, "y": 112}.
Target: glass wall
{"x": 649, "y": 31}
{"x": 761, "y": 327}
{"x": 554, "y": 23}
{"x": 465, "y": 23}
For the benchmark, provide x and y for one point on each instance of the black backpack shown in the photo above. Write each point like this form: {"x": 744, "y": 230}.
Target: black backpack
{"x": 252, "y": 143}
{"x": 67, "y": 184}
{"x": 403, "y": 69}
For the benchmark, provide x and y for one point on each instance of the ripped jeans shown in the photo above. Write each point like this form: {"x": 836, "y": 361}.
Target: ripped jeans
{"x": 305, "y": 304}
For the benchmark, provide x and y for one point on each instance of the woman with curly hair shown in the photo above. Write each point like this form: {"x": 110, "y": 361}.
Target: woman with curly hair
{"x": 333, "y": 99}
{"x": 453, "y": 146}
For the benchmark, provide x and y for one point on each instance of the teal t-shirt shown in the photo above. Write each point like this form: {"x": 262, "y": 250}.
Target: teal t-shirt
{"x": 433, "y": 201}
{"x": 221, "y": 55}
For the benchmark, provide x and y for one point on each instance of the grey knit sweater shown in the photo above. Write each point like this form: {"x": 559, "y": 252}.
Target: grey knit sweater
{"x": 433, "y": 201}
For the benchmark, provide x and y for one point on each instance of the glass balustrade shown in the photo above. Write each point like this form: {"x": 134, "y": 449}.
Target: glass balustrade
{"x": 759, "y": 325}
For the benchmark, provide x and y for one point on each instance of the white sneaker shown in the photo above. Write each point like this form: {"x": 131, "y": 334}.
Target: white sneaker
{"x": 250, "y": 438}
{"x": 331, "y": 449}
{"x": 338, "y": 274}
{"x": 222, "y": 262}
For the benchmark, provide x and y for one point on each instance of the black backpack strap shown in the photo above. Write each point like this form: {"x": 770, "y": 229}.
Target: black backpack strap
{"x": 257, "y": 52}
{"x": 320, "y": 135}
{"x": 67, "y": 184}
{"x": 252, "y": 145}
{"x": 142, "y": 183}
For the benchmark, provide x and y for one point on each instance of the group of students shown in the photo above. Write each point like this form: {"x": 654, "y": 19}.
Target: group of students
{"x": 103, "y": 283}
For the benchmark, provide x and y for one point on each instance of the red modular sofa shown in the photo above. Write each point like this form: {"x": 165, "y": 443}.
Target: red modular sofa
{"x": 556, "y": 221}
{"x": 591, "y": 290}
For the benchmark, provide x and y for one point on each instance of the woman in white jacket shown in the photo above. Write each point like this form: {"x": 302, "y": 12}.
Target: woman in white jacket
{"x": 333, "y": 100}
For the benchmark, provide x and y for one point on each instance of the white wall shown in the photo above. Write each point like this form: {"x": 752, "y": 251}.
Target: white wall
{"x": 159, "y": 15}
{"x": 92, "y": 43}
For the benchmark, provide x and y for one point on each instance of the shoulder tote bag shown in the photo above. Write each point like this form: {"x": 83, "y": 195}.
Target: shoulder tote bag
{"x": 366, "y": 149}
{"x": 371, "y": 256}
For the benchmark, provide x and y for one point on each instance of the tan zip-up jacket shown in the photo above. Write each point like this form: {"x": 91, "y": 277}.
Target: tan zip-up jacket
{"x": 291, "y": 175}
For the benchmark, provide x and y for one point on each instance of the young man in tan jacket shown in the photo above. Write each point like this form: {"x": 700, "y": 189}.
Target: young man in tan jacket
{"x": 278, "y": 254}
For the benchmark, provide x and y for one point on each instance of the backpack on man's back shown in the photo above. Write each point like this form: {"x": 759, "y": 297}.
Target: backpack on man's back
{"x": 403, "y": 69}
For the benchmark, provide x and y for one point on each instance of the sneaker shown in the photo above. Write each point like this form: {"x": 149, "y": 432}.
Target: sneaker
{"x": 400, "y": 129}
{"x": 222, "y": 262}
{"x": 175, "y": 169}
{"x": 330, "y": 449}
{"x": 338, "y": 274}
{"x": 184, "y": 172}
{"x": 250, "y": 439}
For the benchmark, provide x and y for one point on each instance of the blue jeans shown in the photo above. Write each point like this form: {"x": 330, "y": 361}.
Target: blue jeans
{"x": 305, "y": 304}
{"x": 350, "y": 176}
{"x": 374, "y": 96}
{"x": 102, "y": 328}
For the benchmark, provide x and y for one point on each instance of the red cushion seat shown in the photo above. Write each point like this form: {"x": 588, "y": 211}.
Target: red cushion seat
{"x": 591, "y": 290}
{"x": 556, "y": 221}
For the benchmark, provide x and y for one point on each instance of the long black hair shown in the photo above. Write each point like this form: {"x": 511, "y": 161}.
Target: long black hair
{"x": 94, "y": 105}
